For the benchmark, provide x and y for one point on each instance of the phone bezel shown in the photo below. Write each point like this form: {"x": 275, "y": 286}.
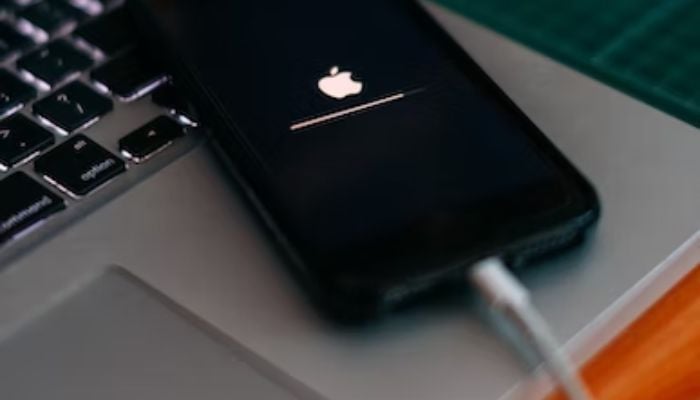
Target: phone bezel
{"x": 365, "y": 291}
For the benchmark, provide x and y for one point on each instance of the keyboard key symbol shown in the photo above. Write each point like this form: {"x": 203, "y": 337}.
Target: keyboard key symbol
{"x": 79, "y": 145}
{"x": 63, "y": 98}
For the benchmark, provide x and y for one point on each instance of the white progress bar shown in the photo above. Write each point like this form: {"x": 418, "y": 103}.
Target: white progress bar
{"x": 344, "y": 113}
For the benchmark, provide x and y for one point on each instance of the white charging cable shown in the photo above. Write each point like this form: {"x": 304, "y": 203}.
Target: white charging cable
{"x": 506, "y": 294}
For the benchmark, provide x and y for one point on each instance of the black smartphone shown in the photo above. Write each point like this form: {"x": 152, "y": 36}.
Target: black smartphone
{"x": 381, "y": 157}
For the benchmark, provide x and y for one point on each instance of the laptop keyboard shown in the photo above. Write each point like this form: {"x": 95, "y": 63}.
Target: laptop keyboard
{"x": 65, "y": 68}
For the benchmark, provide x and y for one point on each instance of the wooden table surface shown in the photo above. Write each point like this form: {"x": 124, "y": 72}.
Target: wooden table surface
{"x": 655, "y": 358}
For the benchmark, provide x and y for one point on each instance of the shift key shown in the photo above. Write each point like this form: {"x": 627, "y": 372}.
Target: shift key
{"x": 79, "y": 166}
{"x": 23, "y": 204}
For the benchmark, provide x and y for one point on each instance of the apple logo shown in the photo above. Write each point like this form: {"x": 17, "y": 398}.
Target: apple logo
{"x": 339, "y": 85}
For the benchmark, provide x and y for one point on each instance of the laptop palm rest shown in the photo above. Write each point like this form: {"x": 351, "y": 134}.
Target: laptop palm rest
{"x": 118, "y": 339}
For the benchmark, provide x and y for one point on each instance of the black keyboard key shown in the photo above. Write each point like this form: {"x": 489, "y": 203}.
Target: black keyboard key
{"x": 14, "y": 94}
{"x": 8, "y": 7}
{"x": 79, "y": 166}
{"x": 150, "y": 139}
{"x": 109, "y": 33}
{"x": 168, "y": 97}
{"x": 73, "y": 107}
{"x": 21, "y": 140}
{"x": 129, "y": 76}
{"x": 23, "y": 204}
{"x": 55, "y": 63}
{"x": 11, "y": 41}
{"x": 51, "y": 17}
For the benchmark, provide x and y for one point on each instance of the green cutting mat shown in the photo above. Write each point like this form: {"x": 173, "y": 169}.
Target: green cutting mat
{"x": 648, "y": 48}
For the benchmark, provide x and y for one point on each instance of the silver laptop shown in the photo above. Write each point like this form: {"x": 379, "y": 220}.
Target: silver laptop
{"x": 103, "y": 164}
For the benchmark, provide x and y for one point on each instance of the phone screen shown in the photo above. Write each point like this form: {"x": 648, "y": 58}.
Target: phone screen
{"x": 383, "y": 151}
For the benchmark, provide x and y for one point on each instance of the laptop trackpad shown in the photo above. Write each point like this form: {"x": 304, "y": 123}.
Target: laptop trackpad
{"x": 118, "y": 339}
